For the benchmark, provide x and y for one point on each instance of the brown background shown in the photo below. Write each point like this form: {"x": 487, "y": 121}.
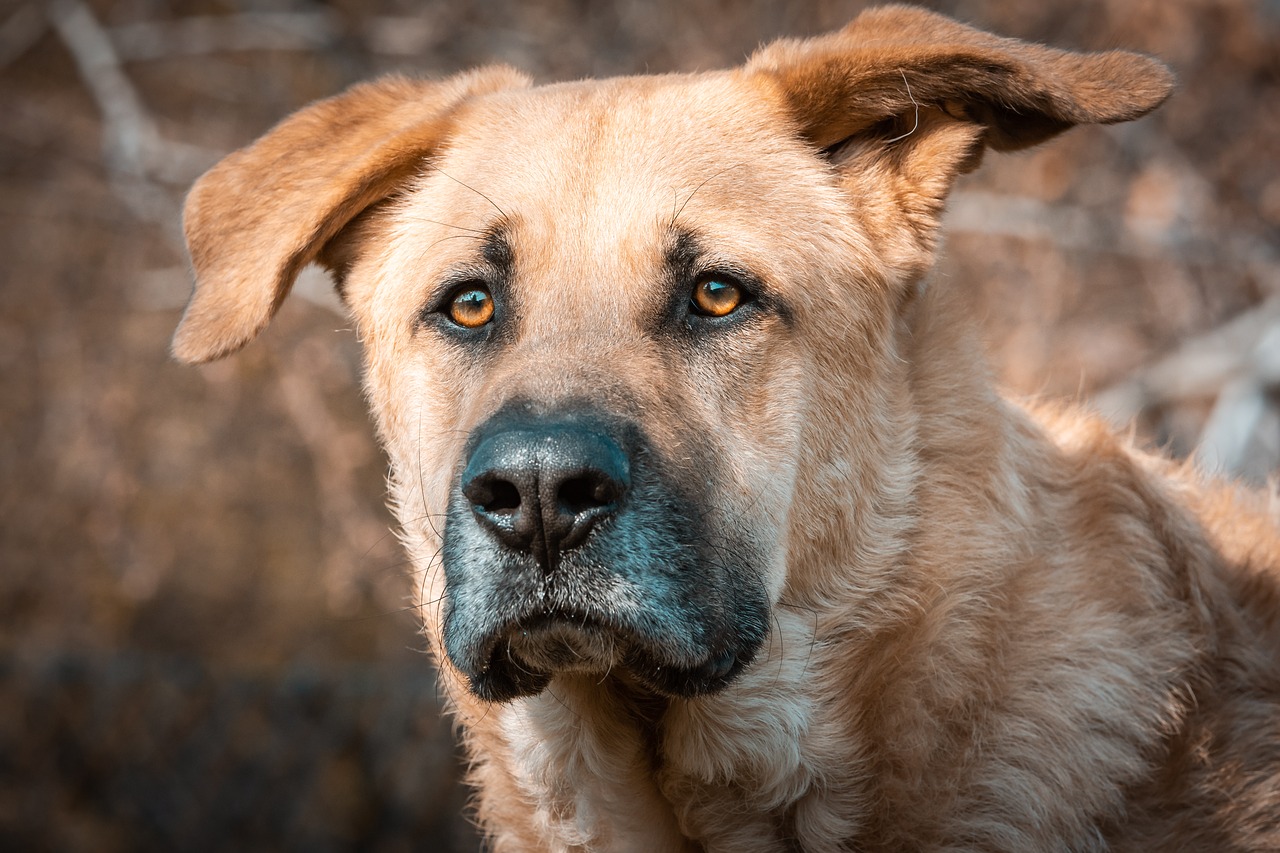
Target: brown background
{"x": 203, "y": 635}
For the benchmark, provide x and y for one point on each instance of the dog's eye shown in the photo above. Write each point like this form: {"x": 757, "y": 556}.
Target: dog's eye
{"x": 471, "y": 307}
{"x": 717, "y": 295}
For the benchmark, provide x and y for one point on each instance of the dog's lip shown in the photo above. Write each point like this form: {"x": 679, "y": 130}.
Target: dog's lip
{"x": 564, "y": 642}
{"x": 503, "y": 671}
{"x": 517, "y": 660}
{"x": 551, "y": 626}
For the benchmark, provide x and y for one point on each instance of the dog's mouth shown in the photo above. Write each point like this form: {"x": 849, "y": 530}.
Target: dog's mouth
{"x": 522, "y": 659}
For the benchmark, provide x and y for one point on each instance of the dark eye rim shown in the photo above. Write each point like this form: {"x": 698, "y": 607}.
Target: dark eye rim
{"x": 437, "y": 310}
{"x": 737, "y": 279}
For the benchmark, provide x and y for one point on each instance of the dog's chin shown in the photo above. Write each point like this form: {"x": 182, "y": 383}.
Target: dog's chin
{"x": 524, "y": 660}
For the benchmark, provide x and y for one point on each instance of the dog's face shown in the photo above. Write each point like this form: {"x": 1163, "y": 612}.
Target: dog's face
{"x": 609, "y": 325}
{"x": 594, "y": 325}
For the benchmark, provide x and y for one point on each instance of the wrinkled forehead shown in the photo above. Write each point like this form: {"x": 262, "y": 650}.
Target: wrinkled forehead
{"x": 576, "y": 168}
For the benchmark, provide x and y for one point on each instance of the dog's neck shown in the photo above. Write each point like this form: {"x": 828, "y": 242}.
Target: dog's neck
{"x": 940, "y": 427}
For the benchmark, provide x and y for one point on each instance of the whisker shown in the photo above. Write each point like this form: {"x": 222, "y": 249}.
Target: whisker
{"x": 676, "y": 215}
{"x": 452, "y": 237}
{"x": 446, "y": 224}
{"x": 468, "y": 186}
{"x": 917, "y": 105}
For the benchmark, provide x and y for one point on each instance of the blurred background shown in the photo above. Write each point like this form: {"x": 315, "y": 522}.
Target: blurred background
{"x": 204, "y": 640}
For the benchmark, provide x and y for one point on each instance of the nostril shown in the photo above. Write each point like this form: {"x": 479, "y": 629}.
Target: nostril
{"x": 587, "y": 492}
{"x": 493, "y": 495}
{"x": 505, "y": 497}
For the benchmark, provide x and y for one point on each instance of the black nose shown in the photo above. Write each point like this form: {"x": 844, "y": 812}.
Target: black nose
{"x": 540, "y": 488}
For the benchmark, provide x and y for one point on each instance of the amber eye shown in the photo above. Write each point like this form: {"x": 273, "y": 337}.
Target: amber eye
{"x": 471, "y": 307}
{"x": 716, "y": 296}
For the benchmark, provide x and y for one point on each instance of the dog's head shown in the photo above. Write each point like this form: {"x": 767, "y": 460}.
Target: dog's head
{"x": 633, "y": 344}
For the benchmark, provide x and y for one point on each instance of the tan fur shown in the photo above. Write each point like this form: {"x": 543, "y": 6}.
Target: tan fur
{"x": 995, "y": 626}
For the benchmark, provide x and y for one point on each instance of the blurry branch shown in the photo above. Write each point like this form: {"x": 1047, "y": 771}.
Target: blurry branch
{"x": 20, "y": 31}
{"x": 1233, "y": 428}
{"x": 1024, "y": 218}
{"x": 133, "y": 147}
{"x": 1246, "y": 346}
{"x": 195, "y": 36}
{"x": 314, "y": 285}
{"x": 130, "y": 138}
{"x": 1236, "y": 365}
{"x": 169, "y": 288}
{"x": 336, "y": 463}
{"x": 137, "y": 158}
{"x": 1082, "y": 229}
{"x": 301, "y": 31}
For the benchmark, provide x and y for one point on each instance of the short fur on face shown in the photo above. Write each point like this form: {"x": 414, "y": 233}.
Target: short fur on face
{"x": 780, "y": 571}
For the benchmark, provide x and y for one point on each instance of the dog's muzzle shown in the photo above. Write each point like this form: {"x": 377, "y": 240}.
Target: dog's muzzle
{"x": 568, "y": 549}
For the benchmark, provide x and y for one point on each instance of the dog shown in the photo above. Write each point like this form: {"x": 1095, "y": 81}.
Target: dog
{"x": 728, "y": 542}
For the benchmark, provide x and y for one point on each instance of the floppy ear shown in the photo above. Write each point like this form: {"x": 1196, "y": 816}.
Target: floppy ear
{"x": 916, "y": 93}
{"x": 258, "y": 217}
